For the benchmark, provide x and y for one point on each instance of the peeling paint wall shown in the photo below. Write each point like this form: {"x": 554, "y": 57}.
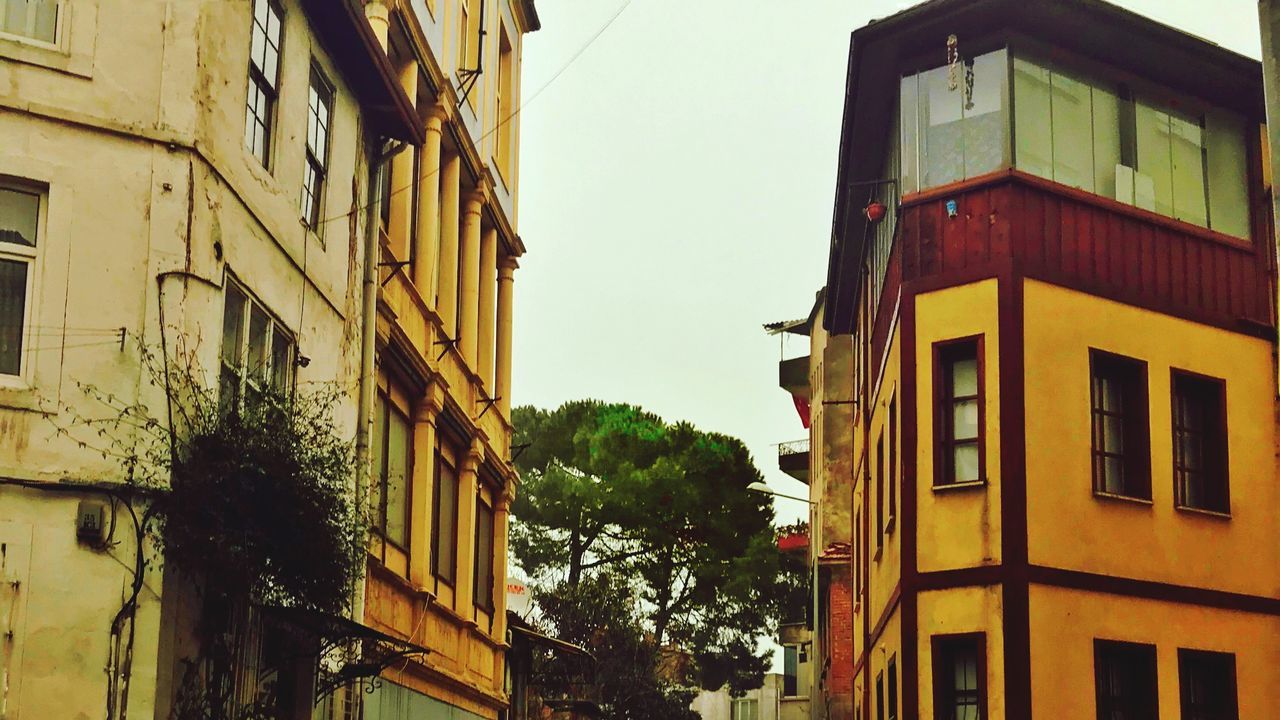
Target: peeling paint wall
{"x": 130, "y": 128}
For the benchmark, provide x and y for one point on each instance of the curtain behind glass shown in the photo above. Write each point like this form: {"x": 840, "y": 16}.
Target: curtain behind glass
{"x": 13, "y": 308}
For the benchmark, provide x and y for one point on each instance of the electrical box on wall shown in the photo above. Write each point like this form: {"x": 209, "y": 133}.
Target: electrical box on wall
{"x": 91, "y": 522}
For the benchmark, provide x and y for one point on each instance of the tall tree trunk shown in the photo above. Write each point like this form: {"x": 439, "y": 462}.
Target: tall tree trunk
{"x": 663, "y": 616}
{"x": 575, "y": 553}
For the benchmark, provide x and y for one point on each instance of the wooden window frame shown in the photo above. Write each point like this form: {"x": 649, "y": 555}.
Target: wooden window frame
{"x": 268, "y": 86}
{"x": 240, "y": 370}
{"x": 29, "y": 256}
{"x": 451, "y": 579}
{"x": 316, "y": 171}
{"x": 942, "y": 649}
{"x": 1215, "y": 474}
{"x": 883, "y": 522}
{"x": 892, "y": 481}
{"x": 1136, "y": 426}
{"x": 880, "y": 695}
{"x": 1188, "y": 657}
{"x": 892, "y": 688}
{"x": 59, "y": 20}
{"x": 1125, "y": 654}
{"x": 943, "y": 401}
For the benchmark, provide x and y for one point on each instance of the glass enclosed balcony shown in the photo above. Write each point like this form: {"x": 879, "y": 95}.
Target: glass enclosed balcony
{"x": 1120, "y": 139}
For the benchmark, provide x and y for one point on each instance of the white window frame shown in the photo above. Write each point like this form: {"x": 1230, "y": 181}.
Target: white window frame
{"x": 244, "y": 377}
{"x": 30, "y": 256}
{"x": 63, "y": 9}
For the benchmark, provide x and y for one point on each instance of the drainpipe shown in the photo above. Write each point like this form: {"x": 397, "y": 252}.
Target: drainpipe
{"x": 368, "y": 340}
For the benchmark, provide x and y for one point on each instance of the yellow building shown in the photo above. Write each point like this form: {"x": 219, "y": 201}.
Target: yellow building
{"x": 208, "y": 175}
{"x": 137, "y": 210}
{"x": 441, "y": 446}
{"x": 1053, "y": 252}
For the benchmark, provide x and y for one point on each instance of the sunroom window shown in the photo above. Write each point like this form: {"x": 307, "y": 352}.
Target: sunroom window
{"x": 954, "y": 122}
{"x": 1160, "y": 153}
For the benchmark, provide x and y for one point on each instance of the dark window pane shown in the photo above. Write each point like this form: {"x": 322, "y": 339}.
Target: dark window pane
{"x": 281, "y": 360}
{"x": 13, "y": 308}
{"x": 444, "y": 541}
{"x": 399, "y": 451}
{"x": 19, "y": 213}
{"x": 1120, "y": 434}
{"x": 378, "y": 496}
{"x": 1207, "y": 685}
{"x": 483, "y": 585}
{"x": 1125, "y": 680}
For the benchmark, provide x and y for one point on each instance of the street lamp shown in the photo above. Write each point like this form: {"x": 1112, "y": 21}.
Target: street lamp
{"x": 762, "y": 488}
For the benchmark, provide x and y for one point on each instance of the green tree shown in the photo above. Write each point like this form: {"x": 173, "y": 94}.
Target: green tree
{"x": 601, "y": 614}
{"x": 664, "y": 507}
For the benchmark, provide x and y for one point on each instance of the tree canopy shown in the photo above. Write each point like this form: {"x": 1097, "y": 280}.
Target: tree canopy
{"x": 663, "y": 507}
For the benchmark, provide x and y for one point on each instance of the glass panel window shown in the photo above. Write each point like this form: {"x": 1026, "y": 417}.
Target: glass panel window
{"x": 319, "y": 112}
{"x": 483, "y": 583}
{"x": 393, "y": 439}
{"x": 790, "y": 671}
{"x": 256, "y": 352}
{"x": 745, "y": 709}
{"x": 19, "y": 227}
{"x": 13, "y": 310}
{"x": 266, "y": 35}
{"x": 1200, "y": 443}
{"x": 1207, "y": 685}
{"x": 1121, "y": 438}
{"x": 1228, "y": 174}
{"x": 953, "y": 121}
{"x": 959, "y": 677}
{"x": 32, "y": 19}
{"x": 1125, "y": 680}
{"x": 958, "y": 412}
{"x": 444, "y": 513}
{"x": 1093, "y": 135}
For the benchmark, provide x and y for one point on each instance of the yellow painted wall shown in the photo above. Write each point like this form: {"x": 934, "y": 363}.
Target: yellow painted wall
{"x": 1150, "y": 541}
{"x": 889, "y": 645}
{"x": 886, "y": 564}
{"x": 1064, "y": 624}
{"x": 959, "y": 527}
{"x": 965, "y": 610}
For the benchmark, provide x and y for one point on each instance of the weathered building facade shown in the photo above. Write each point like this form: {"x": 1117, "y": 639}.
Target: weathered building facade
{"x": 443, "y": 478}
{"x": 201, "y": 179}
{"x": 1054, "y": 255}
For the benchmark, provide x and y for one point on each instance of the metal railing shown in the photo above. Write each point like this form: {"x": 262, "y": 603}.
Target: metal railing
{"x": 795, "y": 447}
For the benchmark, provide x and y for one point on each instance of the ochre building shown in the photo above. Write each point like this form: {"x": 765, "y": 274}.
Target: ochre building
{"x": 442, "y": 477}
{"x": 1054, "y": 254}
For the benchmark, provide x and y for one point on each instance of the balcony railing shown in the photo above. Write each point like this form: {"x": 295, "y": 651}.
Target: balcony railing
{"x": 793, "y": 459}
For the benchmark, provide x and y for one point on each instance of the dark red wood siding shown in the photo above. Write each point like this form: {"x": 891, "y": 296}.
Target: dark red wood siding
{"x": 1089, "y": 243}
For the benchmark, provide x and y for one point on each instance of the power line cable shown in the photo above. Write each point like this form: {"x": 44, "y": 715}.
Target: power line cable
{"x": 572, "y": 59}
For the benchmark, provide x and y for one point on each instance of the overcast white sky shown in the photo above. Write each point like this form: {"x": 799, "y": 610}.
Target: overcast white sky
{"x": 677, "y": 183}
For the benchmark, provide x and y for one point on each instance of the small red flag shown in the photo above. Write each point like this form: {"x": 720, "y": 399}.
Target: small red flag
{"x": 802, "y": 407}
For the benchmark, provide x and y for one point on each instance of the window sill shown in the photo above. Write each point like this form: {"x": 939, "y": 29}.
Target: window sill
{"x": 50, "y": 57}
{"x": 971, "y": 485}
{"x": 1213, "y": 514}
{"x": 16, "y": 395}
{"x": 1106, "y": 496}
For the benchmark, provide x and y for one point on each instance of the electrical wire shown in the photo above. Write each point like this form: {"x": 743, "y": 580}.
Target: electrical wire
{"x": 498, "y": 126}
